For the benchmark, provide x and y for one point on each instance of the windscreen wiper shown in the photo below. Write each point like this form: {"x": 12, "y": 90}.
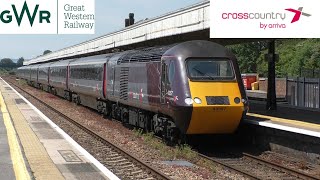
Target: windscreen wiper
{"x": 202, "y": 73}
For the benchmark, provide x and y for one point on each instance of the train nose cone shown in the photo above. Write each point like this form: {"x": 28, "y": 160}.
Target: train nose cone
{"x": 219, "y": 109}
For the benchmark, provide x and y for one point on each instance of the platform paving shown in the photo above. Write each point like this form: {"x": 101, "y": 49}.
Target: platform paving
{"x": 297, "y": 120}
{"x": 47, "y": 152}
{"x": 6, "y": 165}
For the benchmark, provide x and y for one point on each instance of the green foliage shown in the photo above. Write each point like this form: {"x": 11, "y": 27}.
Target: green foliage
{"x": 3, "y": 71}
{"x": 7, "y": 63}
{"x": 46, "y": 52}
{"x": 248, "y": 55}
{"x": 20, "y": 62}
{"x": 185, "y": 151}
{"x": 137, "y": 132}
{"x": 294, "y": 55}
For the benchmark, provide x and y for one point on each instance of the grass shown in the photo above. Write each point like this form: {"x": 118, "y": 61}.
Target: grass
{"x": 137, "y": 132}
{"x": 22, "y": 82}
{"x": 3, "y": 72}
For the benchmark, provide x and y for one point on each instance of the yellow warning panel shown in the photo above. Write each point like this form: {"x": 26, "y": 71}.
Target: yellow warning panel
{"x": 19, "y": 165}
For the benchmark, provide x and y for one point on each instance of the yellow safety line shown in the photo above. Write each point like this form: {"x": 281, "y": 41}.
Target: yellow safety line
{"x": 288, "y": 121}
{"x": 19, "y": 165}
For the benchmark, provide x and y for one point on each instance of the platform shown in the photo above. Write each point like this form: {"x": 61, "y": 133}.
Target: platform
{"x": 33, "y": 147}
{"x": 292, "y": 119}
{"x": 262, "y": 95}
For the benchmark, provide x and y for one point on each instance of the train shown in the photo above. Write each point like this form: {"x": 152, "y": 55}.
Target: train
{"x": 188, "y": 88}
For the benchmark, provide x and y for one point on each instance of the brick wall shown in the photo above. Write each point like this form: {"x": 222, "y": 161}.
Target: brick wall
{"x": 280, "y": 86}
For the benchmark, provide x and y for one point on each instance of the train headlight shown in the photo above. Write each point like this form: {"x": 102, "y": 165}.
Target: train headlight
{"x": 244, "y": 101}
{"x": 197, "y": 100}
{"x": 188, "y": 101}
{"x": 237, "y": 100}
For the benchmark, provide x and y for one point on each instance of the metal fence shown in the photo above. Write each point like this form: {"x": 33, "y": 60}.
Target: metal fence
{"x": 310, "y": 73}
{"x": 303, "y": 92}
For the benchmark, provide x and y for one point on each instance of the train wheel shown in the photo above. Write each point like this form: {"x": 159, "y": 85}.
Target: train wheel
{"x": 78, "y": 100}
{"x": 147, "y": 124}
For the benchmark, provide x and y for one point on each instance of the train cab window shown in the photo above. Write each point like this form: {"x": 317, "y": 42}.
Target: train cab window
{"x": 210, "y": 69}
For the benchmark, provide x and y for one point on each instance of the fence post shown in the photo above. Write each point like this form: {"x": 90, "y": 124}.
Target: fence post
{"x": 313, "y": 73}
{"x": 319, "y": 93}
{"x": 304, "y": 92}
{"x": 287, "y": 81}
{"x": 298, "y": 91}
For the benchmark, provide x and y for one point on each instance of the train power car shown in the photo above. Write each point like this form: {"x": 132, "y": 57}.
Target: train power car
{"x": 189, "y": 88}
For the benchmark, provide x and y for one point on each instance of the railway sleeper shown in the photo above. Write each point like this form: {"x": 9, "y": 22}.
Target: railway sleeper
{"x": 112, "y": 154}
{"x": 127, "y": 166}
{"x": 118, "y": 161}
{"x": 125, "y": 163}
{"x": 115, "y": 158}
{"x": 136, "y": 172}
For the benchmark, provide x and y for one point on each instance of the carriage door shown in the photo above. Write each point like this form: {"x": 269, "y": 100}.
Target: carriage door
{"x": 164, "y": 81}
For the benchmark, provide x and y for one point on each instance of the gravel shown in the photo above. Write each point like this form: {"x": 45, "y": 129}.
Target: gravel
{"x": 125, "y": 138}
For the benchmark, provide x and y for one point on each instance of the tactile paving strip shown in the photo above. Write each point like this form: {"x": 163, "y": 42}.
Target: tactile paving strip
{"x": 37, "y": 156}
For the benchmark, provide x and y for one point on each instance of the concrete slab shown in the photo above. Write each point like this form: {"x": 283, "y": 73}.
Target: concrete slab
{"x": 50, "y": 152}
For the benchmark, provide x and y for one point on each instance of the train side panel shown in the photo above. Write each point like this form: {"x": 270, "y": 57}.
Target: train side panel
{"x": 87, "y": 79}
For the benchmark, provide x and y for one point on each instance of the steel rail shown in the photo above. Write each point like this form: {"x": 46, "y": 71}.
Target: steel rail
{"x": 280, "y": 167}
{"x": 141, "y": 164}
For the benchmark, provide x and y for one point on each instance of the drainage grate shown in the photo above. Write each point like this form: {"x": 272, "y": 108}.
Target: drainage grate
{"x": 178, "y": 163}
{"x": 20, "y": 101}
{"x": 69, "y": 156}
{"x": 36, "y": 119}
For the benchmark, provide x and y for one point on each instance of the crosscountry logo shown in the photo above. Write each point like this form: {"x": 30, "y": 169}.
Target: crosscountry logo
{"x": 298, "y": 14}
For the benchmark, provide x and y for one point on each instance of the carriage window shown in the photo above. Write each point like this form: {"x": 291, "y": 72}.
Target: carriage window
{"x": 210, "y": 69}
{"x": 88, "y": 73}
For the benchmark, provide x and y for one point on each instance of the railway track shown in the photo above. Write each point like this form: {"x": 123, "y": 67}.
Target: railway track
{"x": 116, "y": 159}
{"x": 254, "y": 167}
{"x": 127, "y": 166}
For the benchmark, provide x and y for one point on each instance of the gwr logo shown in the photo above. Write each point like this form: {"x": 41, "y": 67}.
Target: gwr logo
{"x": 6, "y": 17}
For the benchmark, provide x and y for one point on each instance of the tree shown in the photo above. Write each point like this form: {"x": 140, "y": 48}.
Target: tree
{"x": 20, "y": 62}
{"x": 46, "y": 52}
{"x": 7, "y": 62}
{"x": 248, "y": 54}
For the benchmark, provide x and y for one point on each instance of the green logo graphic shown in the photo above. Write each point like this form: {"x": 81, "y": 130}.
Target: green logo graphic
{"x": 6, "y": 17}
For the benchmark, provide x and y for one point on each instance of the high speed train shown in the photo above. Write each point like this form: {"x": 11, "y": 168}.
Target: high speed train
{"x": 188, "y": 88}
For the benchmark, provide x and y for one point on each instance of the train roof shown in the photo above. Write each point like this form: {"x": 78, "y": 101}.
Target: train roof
{"x": 98, "y": 59}
{"x": 194, "y": 48}
{"x": 145, "y": 54}
{"x": 34, "y": 66}
{"x": 62, "y": 63}
{"x": 45, "y": 65}
{"x": 23, "y": 67}
{"x": 200, "y": 48}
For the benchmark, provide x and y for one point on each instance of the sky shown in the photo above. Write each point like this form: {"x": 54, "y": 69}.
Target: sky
{"x": 110, "y": 16}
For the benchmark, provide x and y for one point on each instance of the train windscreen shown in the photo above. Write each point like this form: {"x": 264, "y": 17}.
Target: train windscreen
{"x": 210, "y": 69}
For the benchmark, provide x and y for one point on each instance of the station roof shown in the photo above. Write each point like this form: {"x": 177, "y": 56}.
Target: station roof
{"x": 189, "y": 23}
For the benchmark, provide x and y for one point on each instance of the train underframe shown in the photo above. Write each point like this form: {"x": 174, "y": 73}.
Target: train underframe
{"x": 157, "y": 123}
{"x": 160, "y": 124}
